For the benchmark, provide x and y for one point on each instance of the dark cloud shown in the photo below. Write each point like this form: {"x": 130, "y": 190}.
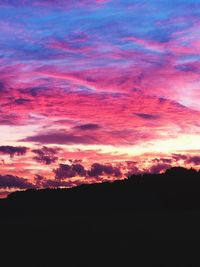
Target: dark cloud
{"x": 178, "y": 157}
{"x": 89, "y": 126}
{"x": 2, "y": 86}
{"x": 46, "y": 155}
{"x": 33, "y": 91}
{"x": 61, "y": 138}
{"x": 79, "y": 169}
{"x": 39, "y": 179}
{"x": 98, "y": 169}
{"x": 13, "y": 150}
{"x": 187, "y": 68}
{"x": 158, "y": 168}
{"x": 195, "y": 160}
{"x": 10, "y": 181}
{"x": 132, "y": 168}
{"x": 68, "y": 171}
{"x": 22, "y": 101}
{"x": 64, "y": 171}
{"x": 147, "y": 116}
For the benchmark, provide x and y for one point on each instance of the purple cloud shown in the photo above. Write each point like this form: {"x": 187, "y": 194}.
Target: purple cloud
{"x": 98, "y": 169}
{"x": 46, "y": 155}
{"x": 59, "y": 137}
{"x": 158, "y": 168}
{"x": 195, "y": 160}
{"x": 89, "y": 126}
{"x": 11, "y": 181}
{"x": 68, "y": 171}
{"x": 147, "y": 116}
{"x": 13, "y": 150}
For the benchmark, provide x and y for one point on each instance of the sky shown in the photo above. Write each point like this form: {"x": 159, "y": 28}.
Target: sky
{"x": 94, "y": 91}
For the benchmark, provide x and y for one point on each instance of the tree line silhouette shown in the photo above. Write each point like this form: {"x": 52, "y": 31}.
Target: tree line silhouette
{"x": 176, "y": 189}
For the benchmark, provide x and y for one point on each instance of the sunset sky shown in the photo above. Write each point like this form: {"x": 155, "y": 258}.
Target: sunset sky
{"x": 97, "y": 90}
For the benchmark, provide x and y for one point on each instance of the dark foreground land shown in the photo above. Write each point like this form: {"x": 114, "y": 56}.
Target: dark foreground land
{"x": 149, "y": 220}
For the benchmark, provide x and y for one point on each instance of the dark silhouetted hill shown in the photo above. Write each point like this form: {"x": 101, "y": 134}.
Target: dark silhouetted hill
{"x": 176, "y": 189}
{"x": 145, "y": 220}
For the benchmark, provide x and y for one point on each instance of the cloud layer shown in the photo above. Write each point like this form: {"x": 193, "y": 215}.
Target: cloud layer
{"x": 101, "y": 82}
